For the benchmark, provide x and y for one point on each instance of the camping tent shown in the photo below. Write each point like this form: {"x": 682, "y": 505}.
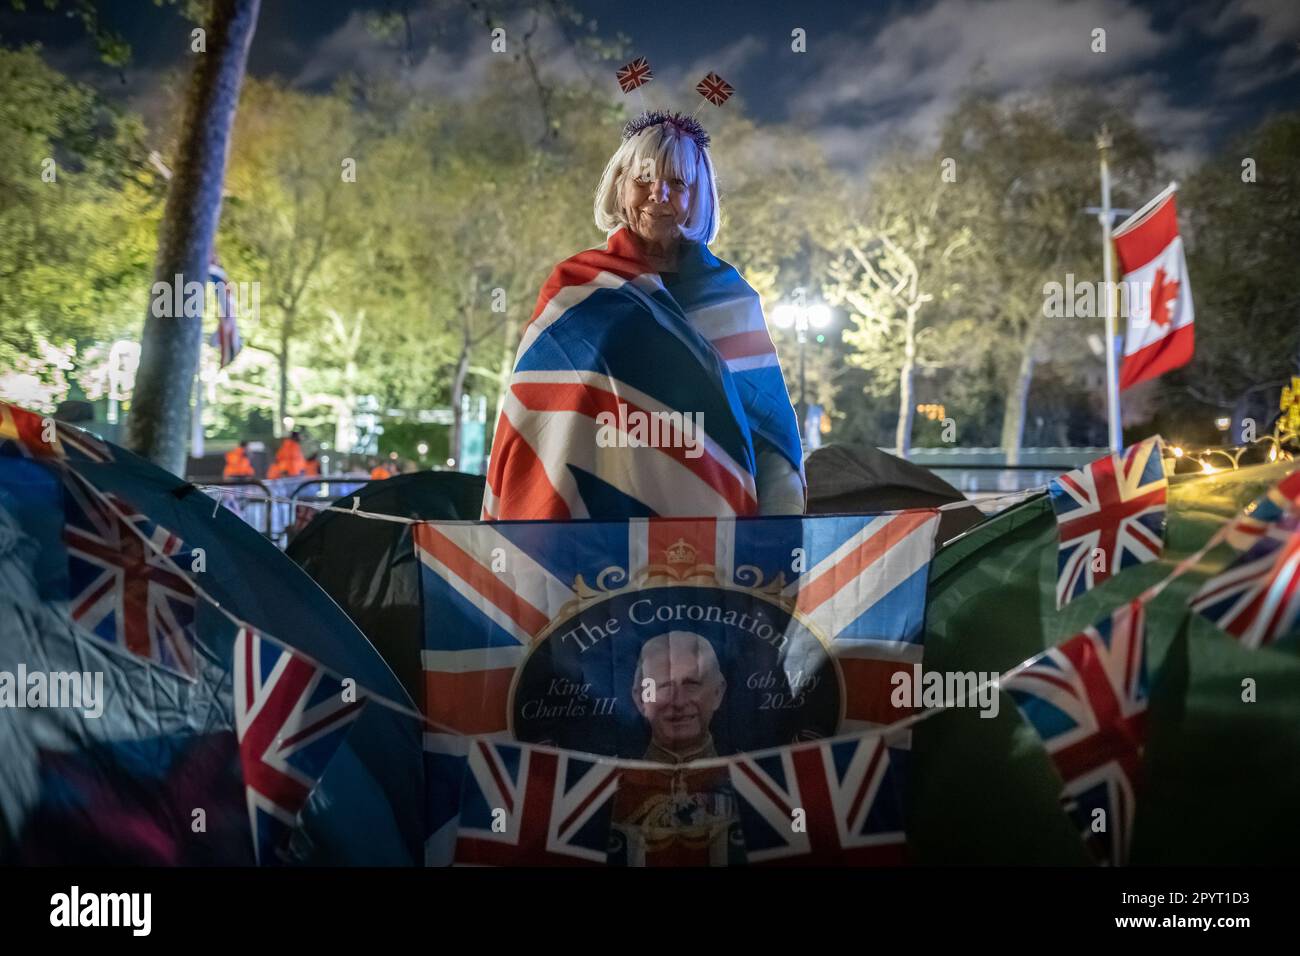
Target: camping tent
{"x": 368, "y": 565}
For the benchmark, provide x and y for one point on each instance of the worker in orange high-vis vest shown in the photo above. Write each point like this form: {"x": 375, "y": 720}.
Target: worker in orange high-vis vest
{"x": 379, "y": 472}
{"x": 237, "y": 463}
{"x": 289, "y": 461}
{"x": 313, "y": 466}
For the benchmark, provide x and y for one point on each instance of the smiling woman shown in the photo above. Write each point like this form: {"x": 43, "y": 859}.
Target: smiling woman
{"x": 652, "y": 325}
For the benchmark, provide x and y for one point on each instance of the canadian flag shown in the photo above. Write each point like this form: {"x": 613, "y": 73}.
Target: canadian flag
{"x": 1160, "y": 319}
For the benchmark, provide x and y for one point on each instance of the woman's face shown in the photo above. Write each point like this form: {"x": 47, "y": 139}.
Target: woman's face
{"x": 655, "y": 207}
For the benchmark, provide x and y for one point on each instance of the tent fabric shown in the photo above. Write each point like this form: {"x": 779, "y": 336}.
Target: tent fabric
{"x": 846, "y": 478}
{"x": 368, "y": 566}
{"x": 1209, "y": 755}
{"x": 120, "y": 788}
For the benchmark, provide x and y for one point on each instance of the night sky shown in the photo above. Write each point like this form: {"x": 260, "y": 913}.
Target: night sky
{"x": 1194, "y": 71}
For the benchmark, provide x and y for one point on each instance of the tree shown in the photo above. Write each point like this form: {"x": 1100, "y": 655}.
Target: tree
{"x": 892, "y": 266}
{"x": 1242, "y": 231}
{"x": 296, "y": 171}
{"x": 1026, "y": 168}
{"x": 170, "y": 346}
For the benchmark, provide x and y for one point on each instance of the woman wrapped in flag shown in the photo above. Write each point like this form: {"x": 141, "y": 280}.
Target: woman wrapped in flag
{"x": 646, "y": 383}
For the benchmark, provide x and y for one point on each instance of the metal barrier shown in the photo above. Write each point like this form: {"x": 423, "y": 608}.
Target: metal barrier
{"x": 328, "y": 488}
{"x": 251, "y": 509}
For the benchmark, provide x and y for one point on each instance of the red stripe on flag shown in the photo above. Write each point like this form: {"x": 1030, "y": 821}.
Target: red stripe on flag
{"x": 479, "y": 577}
{"x": 520, "y": 483}
{"x": 701, "y": 535}
{"x": 1148, "y": 238}
{"x": 744, "y": 345}
{"x": 470, "y": 702}
{"x": 828, "y": 584}
{"x": 1162, "y": 355}
{"x": 591, "y": 401}
{"x": 620, "y": 257}
{"x": 868, "y": 686}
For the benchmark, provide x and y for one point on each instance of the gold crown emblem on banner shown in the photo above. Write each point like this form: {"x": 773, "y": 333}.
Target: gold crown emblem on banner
{"x": 679, "y": 552}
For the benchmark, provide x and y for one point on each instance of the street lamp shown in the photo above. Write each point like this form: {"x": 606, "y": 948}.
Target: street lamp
{"x": 801, "y": 317}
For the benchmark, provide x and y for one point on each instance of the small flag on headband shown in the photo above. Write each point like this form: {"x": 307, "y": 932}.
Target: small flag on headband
{"x": 634, "y": 74}
{"x": 1087, "y": 701}
{"x": 1110, "y": 515}
{"x": 1256, "y": 599}
{"x": 715, "y": 89}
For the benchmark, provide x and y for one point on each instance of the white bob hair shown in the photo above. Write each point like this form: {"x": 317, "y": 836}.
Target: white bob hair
{"x": 670, "y": 152}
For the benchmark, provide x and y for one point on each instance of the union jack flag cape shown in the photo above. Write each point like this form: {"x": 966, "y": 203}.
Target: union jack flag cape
{"x": 609, "y": 335}
{"x": 1087, "y": 701}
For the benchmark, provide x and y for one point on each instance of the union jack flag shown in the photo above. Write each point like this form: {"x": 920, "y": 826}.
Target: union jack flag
{"x": 1113, "y": 509}
{"x": 226, "y": 336}
{"x": 1261, "y": 515}
{"x": 124, "y": 585}
{"x": 604, "y": 322}
{"x": 1256, "y": 598}
{"x": 715, "y": 89}
{"x": 634, "y": 74}
{"x": 490, "y": 590}
{"x": 850, "y": 792}
{"x": 531, "y": 806}
{"x": 1087, "y": 700}
{"x": 27, "y": 432}
{"x": 291, "y": 717}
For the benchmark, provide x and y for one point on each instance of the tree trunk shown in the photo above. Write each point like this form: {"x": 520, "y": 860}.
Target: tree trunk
{"x": 906, "y": 401}
{"x": 169, "y": 347}
{"x": 457, "y": 390}
{"x": 1013, "y": 414}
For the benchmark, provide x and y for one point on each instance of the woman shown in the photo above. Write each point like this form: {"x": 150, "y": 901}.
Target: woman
{"x": 646, "y": 383}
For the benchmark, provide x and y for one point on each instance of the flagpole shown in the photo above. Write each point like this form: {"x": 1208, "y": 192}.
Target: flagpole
{"x": 1108, "y": 269}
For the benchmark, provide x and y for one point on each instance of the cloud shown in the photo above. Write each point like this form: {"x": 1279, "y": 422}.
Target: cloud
{"x": 455, "y": 67}
{"x": 1256, "y": 31}
{"x": 901, "y": 75}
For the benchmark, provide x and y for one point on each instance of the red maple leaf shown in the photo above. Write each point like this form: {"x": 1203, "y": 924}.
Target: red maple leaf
{"x": 1164, "y": 292}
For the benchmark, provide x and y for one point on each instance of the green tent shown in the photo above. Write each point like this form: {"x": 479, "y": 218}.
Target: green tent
{"x": 1222, "y": 776}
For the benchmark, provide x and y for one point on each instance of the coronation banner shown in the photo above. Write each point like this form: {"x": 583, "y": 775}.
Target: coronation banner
{"x": 665, "y": 640}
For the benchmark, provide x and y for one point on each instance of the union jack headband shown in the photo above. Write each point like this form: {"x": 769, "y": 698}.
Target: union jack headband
{"x": 686, "y": 124}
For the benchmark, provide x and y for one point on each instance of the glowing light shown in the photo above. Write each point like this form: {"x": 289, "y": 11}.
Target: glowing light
{"x": 784, "y": 315}
{"x": 1178, "y": 452}
{"x": 819, "y": 316}
{"x": 1272, "y": 453}
{"x": 422, "y": 448}
{"x": 1223, "y": 424}
{"x": 1207, "y": 468}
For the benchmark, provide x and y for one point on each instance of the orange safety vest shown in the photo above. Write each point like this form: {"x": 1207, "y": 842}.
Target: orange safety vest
{"x": 289, "y": 462}
{"x": 379, "y": 473}
{"x": 237, "y": 465}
